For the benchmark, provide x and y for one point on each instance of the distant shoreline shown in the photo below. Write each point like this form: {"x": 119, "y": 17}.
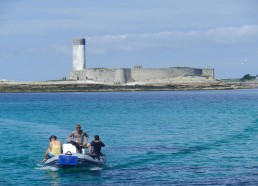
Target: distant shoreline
{"x": 80, "y": 86}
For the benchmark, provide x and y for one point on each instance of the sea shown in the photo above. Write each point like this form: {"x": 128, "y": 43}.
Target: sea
{"x": 152, "y": 138}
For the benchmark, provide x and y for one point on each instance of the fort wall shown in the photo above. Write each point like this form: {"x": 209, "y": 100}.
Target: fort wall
{"x": 126, "y": 75}
{"x": 208, "y": 72}
{"x": 148, "y": 74}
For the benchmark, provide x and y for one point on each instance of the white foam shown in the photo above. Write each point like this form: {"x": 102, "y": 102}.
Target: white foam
{"x": 96, "y": 168}
{"x": 48, "y": 168}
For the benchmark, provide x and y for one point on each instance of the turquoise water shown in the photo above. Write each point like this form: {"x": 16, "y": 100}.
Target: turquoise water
{"x": 152, "y": 138}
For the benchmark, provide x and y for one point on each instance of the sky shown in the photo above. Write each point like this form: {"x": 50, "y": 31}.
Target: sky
{"x": 36, "y": 36}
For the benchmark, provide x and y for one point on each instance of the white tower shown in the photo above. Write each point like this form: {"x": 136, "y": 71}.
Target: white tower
{"x": 79, "y": 54}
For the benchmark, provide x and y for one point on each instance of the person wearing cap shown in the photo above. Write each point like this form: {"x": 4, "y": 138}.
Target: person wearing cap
{"x": 78, "y": 138}
{"x": 55, "y": 148}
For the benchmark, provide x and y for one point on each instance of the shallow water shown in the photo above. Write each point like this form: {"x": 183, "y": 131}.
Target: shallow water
{"x": 152, "y": 138}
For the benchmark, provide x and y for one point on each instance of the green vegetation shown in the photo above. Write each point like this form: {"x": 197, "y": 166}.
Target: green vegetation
{"x": 247, "y": 77}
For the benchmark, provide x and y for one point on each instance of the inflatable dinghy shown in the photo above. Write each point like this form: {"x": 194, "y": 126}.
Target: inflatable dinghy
{"x": 70, "y": 157}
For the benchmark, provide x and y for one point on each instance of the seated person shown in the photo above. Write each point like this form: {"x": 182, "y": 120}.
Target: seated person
{"x": 96, "y": 144}
{"x": 55, "y": 148}
{"x": 78, "y": 136}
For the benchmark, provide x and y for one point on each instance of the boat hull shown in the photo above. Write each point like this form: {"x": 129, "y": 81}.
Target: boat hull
{"x": 76, "y": 160}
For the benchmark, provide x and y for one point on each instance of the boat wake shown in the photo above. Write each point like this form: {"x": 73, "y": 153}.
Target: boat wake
{"x": 96, "y": 168}
{"x": 47, "y": 168}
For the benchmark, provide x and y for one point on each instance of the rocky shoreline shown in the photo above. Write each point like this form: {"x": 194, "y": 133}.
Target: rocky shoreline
{"x": 74, "y": 86}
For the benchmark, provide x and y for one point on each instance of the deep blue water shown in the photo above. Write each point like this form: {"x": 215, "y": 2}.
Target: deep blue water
{"x": 152, "y": 138}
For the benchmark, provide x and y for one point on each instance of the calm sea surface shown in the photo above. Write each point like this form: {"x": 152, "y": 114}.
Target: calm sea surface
{"x": 152, "y": 138}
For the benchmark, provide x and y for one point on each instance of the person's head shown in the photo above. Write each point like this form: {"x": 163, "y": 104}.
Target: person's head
{"x": 78, "y": 127}
{"x": 96, "y": 137}
{"x": 52, "y": 138}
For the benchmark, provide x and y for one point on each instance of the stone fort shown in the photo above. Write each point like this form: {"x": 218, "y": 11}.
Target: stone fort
{"x": 127, "y": 75}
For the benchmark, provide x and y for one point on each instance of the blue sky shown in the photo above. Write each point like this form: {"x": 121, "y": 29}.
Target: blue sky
{"x": 36, "y": 36}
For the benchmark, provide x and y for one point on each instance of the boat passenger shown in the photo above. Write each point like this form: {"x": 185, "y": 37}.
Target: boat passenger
{"x": 96, "y": 144}
{"x": 78, "y": 137}
{"x": 55, "y": 148}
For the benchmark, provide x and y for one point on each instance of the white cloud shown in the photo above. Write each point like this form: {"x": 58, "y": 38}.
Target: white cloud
{"x": 174, "y": 39}
{"x": 242, "y": 31}
{"x": 233, "y": 34}
{"x": 108, "y": 38}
